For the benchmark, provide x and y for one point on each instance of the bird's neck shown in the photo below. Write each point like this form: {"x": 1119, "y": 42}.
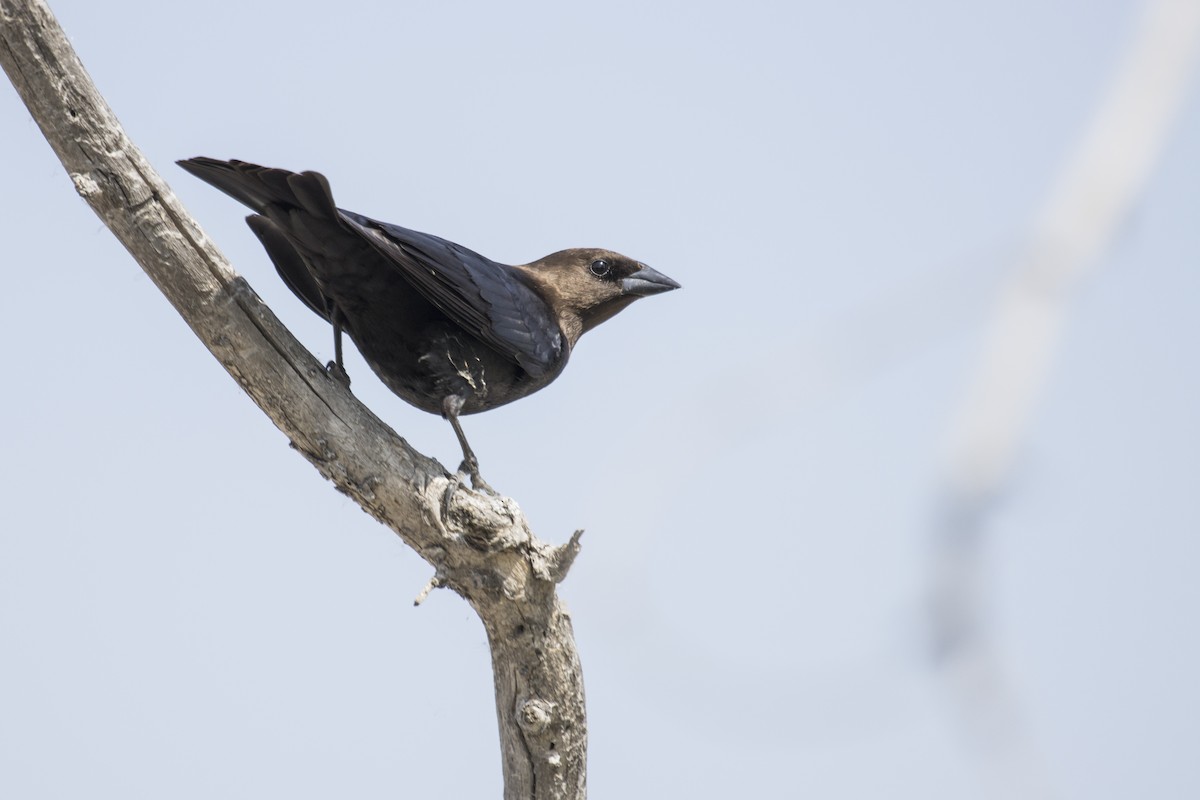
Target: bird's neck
{"x": 571, "y": 325}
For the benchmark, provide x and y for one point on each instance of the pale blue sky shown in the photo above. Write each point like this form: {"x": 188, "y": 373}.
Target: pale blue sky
{"x": 188, "y": 610}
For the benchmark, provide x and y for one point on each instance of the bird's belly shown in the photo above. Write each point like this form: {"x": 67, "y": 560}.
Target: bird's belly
{"x": 427, "y": 366}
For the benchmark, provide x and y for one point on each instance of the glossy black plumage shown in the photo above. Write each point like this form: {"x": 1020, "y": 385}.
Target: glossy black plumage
{"x": 446, "y": 329}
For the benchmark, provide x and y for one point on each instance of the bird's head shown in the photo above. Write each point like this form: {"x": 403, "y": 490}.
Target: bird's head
{"x": 586, "y": 286}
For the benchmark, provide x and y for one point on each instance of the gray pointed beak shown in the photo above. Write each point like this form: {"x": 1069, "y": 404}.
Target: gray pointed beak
{"x": 646, "y": 282}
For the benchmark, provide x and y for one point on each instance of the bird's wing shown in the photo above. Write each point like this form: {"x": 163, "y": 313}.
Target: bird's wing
{"x": 484, "y": 297}
{"x": 290, "y": 264}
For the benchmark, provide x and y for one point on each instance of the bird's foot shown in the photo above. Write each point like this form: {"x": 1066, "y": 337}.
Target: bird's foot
{"x": 459, "y": 480}
{"x": 338, "y": 373}
{"x": 470, "y": 467}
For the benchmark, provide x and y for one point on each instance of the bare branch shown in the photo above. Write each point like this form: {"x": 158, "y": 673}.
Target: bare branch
{"x": 480, "y": 546}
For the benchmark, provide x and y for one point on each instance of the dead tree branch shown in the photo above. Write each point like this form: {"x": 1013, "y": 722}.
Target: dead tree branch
{"x": 479, "y": 546}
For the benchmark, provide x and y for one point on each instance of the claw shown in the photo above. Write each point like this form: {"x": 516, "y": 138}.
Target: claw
{"x": 471, "y": 467}
{"x": 338, "y": 373}
{"x": 459, "y": 480}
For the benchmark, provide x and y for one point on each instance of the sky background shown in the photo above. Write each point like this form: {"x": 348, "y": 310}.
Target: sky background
{"x": 188, "y": 610}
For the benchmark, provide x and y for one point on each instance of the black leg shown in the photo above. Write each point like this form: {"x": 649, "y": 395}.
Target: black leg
{"x": 470, "y": 465}
{"x": 335, "y": 368}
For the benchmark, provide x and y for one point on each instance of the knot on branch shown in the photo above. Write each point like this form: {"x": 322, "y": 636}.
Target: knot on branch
{"x": 534, "y": 715}
{"x": 490, "y": 551}
{"x": 486, "y": 522}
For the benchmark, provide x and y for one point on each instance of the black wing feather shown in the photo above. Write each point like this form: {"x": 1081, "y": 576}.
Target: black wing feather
{"x": 484, "y": 297}
{"x": 290, "y": 264}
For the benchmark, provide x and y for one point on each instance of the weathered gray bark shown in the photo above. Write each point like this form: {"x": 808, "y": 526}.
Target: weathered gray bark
{"x": 479, "y": 546}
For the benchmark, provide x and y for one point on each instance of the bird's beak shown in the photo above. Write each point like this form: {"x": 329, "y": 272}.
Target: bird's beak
{"x": 647, "y": 281}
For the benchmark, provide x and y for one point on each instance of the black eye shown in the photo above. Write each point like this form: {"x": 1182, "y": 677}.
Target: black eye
{"x": 600, "y": 268}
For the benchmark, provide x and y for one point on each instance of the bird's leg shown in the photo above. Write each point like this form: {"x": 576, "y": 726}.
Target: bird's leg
{"x": 335, "y": 368}
{"x": 470, "y": 465}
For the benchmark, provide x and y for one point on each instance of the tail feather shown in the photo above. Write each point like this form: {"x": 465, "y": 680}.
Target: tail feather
{"x": 262, "y": 188}
{"x": 290, "y": 207}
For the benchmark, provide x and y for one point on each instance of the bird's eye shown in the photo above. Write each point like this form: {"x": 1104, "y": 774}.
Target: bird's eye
{"x": 600, "y": 267}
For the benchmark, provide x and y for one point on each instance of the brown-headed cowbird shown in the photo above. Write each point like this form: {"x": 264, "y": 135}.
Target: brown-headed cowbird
{"x": 446, "y": 329}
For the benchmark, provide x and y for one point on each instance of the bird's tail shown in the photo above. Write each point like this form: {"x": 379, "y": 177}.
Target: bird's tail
{"x": 292, "y": 208}
{"x": 262, "y": 188}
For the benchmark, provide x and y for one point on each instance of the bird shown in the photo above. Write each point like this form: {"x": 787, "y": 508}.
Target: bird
{"x": 446, "y": 329}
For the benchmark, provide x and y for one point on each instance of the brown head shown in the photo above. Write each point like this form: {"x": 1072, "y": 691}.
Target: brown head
{"x": 586, "y": 286}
